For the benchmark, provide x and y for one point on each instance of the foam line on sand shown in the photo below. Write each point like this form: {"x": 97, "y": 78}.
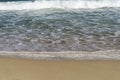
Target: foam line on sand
{"x": 65, "y": 55}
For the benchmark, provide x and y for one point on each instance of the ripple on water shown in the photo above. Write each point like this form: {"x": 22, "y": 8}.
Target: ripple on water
{"x": 60, "y": 30}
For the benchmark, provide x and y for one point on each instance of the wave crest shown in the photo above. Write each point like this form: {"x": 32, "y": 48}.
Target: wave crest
{"x": 64, "y": 4}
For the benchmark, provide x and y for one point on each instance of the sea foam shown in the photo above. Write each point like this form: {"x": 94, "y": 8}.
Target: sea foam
{"x": 64, "y": 4}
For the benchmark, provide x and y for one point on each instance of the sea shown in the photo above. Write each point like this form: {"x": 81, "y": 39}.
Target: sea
{"x": 59, "y": 25}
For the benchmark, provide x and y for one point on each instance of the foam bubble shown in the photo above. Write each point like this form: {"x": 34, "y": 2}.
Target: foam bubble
{"x": 64, "y": 4}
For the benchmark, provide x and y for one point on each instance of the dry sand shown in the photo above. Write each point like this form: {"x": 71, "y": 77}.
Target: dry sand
{"x": 26, "y": 69}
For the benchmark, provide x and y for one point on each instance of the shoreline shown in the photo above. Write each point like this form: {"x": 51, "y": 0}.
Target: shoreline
{"x": 65, "y": 55}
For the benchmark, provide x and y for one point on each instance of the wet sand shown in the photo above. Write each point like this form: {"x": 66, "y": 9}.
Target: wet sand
{"x": 65, "y": 55}
{"x": 28, "y": 69}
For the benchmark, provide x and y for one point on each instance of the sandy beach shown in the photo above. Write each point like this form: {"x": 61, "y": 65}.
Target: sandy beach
{"x": 59, "y": 39}
{"x": 28, "y": 69}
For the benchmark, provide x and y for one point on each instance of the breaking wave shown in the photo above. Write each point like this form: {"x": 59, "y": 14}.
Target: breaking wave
{"x": 64, "y": 4}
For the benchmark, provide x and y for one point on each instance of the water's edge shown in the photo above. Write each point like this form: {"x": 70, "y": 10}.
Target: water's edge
{"x": 68, "y": 55}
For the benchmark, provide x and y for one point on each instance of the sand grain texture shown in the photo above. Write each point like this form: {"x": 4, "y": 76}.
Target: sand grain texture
{"x": 22, "y": 69}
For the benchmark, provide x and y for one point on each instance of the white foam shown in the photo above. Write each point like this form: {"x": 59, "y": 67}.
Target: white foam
{"x": 65, "y": 55}
{"x": 28, "y": 5}
{"x": 117, "y": 33}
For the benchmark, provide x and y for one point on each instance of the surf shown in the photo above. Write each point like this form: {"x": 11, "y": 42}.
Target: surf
{"x": 62, "y": 4}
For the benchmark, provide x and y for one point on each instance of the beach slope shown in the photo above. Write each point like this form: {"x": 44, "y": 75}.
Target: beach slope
{"x": 27, "y": 69}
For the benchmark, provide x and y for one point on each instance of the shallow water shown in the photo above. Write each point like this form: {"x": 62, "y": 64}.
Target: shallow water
{"x": 60, "y": 29}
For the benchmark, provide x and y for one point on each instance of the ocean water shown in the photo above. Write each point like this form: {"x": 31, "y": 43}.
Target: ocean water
{"x": 60, "y": 25}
